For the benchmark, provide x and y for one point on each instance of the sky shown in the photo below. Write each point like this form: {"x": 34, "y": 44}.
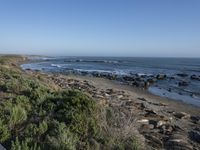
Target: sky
{"x": 134, "y": 28}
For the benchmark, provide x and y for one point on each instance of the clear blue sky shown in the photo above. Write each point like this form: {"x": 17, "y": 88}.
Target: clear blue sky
{"x": 101, "y": 27}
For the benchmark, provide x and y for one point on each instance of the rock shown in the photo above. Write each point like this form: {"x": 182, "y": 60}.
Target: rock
{"x": 138, "y": 84}
{"x": 160, "y": 123}
{"x": 154, "y": 141}
{"x": 183, "y": 83}
{"x": 153, "y": 122}
{"x": 172, "y": 78}
{"x": 182, "y": 74}
{"x": 166, "y": 129}
{"x": 142, "y": 106}
{"x": 178, "y": 142}
{"x": 195, "y": 136}
{"x": 143, "y": 121}
{"x": 194, "y": 77}
{"x": 128, "y": 78}
{"x": 195, "y": 119}
{"x": 142, "y": 99}
{"x": 181, "y": 115}
{"x": 151, "y": 80}
{"x": 169, "y": 89}
{"x": 161, "y": 76}
{"x": 150, "y": 112}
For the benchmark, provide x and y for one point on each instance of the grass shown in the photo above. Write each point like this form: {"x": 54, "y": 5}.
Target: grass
{"x": 36, "y": 114}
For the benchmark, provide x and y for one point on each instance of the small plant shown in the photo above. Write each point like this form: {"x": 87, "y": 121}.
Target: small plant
{"x": 60, "y": 138}
{"x": 17, "y": 116}
{"x": 4, "y": 132}
{"x": 23, "y": 145}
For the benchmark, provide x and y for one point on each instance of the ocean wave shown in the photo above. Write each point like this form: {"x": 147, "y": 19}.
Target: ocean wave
{"x": 95, "y": 61}
{"x": 56, "y": 65}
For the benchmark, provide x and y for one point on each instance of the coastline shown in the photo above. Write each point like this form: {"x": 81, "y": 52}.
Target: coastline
{"x": 157, "y": 122}
{"x": 138, "y": 92}
{"x": 164, "y": 123}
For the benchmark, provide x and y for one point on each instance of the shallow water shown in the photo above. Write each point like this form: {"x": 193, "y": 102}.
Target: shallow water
{"x": 128, "y": 66}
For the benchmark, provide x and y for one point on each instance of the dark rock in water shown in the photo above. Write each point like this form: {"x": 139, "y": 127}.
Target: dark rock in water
{"x": 161, "y": 76}
{"x": 128, "y": 78}
{"x": 171, "y": 78}
{"x": 195, "y": 136}
{"x": 139, "y": 79}
{"x": 151, "y": 80}
{"x": 140, "y": 84}
{"x": 195, "y": 77}
{"x": 28, "y": 69}
{"x": 182, "y": 74}
{"x": 183, "y": 83}
{"x": 169, "y": 89}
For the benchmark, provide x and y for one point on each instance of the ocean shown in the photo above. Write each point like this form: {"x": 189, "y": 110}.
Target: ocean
{"x": 182, "y": 80}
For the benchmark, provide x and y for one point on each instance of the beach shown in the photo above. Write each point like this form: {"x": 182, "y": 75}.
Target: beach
{"x": 162, "y": 122}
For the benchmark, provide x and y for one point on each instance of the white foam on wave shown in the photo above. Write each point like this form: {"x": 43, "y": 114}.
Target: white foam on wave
{"x": 56, "y": 65}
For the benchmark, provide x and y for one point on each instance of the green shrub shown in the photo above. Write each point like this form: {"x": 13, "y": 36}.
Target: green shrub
{"x": 17, "y": 116}
{"x": 43, "y": 127}
{"x": 23, "y": 101}
{"x": 23, "y": 145}
{"x": 60, "y": 138}
{"x": 4, "y": 132}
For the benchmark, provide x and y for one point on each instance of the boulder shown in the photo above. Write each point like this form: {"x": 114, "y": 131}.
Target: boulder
{"x": 182, "y": 74}
{"x": 181, "y": 115}
{"x": 161, "y": 76}
{"x": 194, "y": 77}
{"x": 183, "y": 83}
{"x": 128, "y": 78}
{"x": 195, "y": 119}
{"x": 195, "y": 136}
{"x": 151, "y": 80}
{"x": 178, "y": 142}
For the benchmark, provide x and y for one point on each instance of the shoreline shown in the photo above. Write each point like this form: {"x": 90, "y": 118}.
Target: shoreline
{"x": 164, "y": 123}
{"x": 179, "y": 85}
{"x": 182, "y": 106}
{"x": 123, "y": 110}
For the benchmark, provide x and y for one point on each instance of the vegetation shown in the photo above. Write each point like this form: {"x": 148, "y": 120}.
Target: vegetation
{"x": 38, "y": 115}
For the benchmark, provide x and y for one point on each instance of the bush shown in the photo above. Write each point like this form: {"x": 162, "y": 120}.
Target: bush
{"x": 17, "y": 115}
{"x": 23, "y": 145}
{"x": 4, "y": 132}
{"x": 60, "y": 138}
